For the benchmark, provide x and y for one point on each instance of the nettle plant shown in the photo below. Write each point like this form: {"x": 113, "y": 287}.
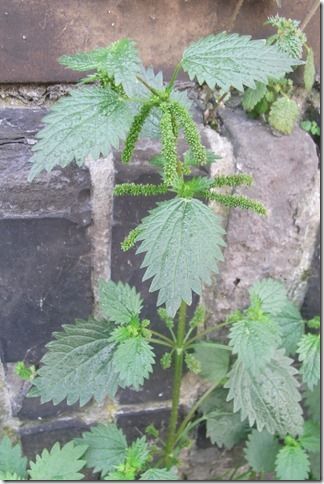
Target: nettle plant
{"x": 252, "y": 382}
{"x": 274, "y": 100}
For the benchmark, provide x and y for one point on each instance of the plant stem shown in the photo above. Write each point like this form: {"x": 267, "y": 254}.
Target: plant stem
{"x": 162, "y": 336}
{"x": 194, "y": 409}
{"x": 161, "y": 342}
{"x": 206, "y": 331}
{"x": 150, "y": 88}
{"x": 174, "y": 77}
{"x": 176, "y": 385}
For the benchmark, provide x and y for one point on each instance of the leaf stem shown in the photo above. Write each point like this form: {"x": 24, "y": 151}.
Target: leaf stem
{"x": 176, "y": 386}
{"x": 173, "y": 77}
{"x": 150, "y": 88}
{"x": 162, "y": 336}
{"x": 161, "y": 342}
{"x": 205, "y": 332}
{"x": 194, "y": 409}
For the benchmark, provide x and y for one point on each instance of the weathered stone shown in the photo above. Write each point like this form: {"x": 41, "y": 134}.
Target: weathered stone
{"x": 63, "y": 193}
{"x": 211, "y": 463}
{"x": 281, "y": 245}
{"x": 312, "y": 302}
{"x": 29, "y": 54}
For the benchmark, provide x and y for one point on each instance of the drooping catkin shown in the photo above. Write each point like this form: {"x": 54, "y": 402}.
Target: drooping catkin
{"x": 190, "y": 131}
{"x": 169, "y": 149}
{"x": 135, "y": 130}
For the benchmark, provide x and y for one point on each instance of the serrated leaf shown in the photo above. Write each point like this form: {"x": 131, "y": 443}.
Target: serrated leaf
{"x": 106, "y": 447}
{"x": 313, "y": 402}
{"x": 291, "y": 325}
{"x": 119, "y": 302}
{"x": 272, "y": 295}
{"x": 182, "y": 240}
{"x": 268, "y": 398}
{"x": 251, "y": 96}
{"x": 225, "y": 430}
{"x": 78, "y": 364}
{"x": 283, "y": 114}
{"x": 232, "y": 60}
{"x": 58, "y": 464}
{"x": 119, "y": 59}
{"x": 87, "y": 123}
{"x": 315, "y": 463}
{"x": 261, "y": 450}
{"x": 292, "y": 464}
{"x": 254, "y": 342}
{"x": 11, "y": 458}
{"x": 133, "y": 361}
{"x": 309, "y": 350}
{"x": 223, "y": 427}
{"x": 159, "y": 475}
{"x": 214, "y": 360}
{"x": 138, "y": 453}
{"x": 311, "y": 438}
{"x": 309, "y": 70}
{"x": 10, "y": 476}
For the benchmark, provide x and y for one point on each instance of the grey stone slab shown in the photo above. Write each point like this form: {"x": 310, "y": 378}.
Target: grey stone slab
{"x": 44, "y": 281}
{"x": 280, "y": 245}
{"x": 61, "y": 193}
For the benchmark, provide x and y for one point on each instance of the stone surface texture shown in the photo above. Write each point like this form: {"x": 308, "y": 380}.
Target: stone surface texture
{"x": 280, "y": 245}
{"x": 62, "y": 232}
{"x": 34, "y": 33}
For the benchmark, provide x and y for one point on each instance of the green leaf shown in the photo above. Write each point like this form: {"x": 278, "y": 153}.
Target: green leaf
{"x": 106, "y": 447}
{"x": 120, "y": 60}
{"x": 315, "y": 463}
{"x": 223, "y": 427}
{"x": 292, "y": 464}
{"x": 214, "y": 360}
{"x": 283, "y": 114}
{"x": 10, "y": 476}
{"x": 87, "y": 123}
{"x": 133, "y": 362}
{"x": 309, "y": 70}
{"x": 255, "y": 342}
{"x": 58, "y": 464}
{"x": 261, "y": 450}
{"x": 253, "y": 96}
{"x": 159, "y": 475}
{"x": 309, "y": 350}
{"x": 11, "y": 458}
{"x": 25, "y": 372}
{"x": 313, "y": 402}
{"x": 272, "y": 295}
{"x": 138, "y": 453}
{"x": 78, "y": 364}
{"x": 268, "y": 398}
{"x": 182, "y": 240}
{"x": 225, "y": 430}
{"x": 311, "y": 438}
{"x": 232, "y": 60}
{"x": 291, "y": 325}
{"x": 119, "y": 302}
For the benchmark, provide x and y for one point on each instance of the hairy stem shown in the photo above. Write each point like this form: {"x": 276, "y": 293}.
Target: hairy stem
{"x": 194, "y": 409}
{"x": 162, "y": 336}
{"x": 205, "y": 332}
{"x": 174, "y": 77}
{"x": 176, "y": 385}
{"x": 161, "y": 342}
{"x": 150, "y": 88}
